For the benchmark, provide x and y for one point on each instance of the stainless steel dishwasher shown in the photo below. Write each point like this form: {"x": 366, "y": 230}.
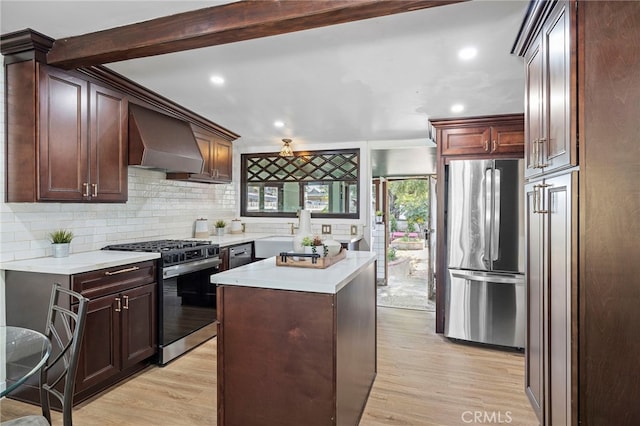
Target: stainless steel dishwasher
{"x": 240, "y": 254}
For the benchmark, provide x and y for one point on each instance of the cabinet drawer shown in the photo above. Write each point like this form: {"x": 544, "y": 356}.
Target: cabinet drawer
{"x": 111, "y": 280}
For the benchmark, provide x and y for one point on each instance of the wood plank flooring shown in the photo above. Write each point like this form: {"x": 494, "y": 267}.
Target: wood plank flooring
{"x": 423, "y": 379}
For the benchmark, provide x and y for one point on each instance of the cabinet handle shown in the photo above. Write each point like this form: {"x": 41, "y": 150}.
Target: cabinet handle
{"x": 118, "y": 305}
{"x": 535, "y": 199}
{"x": 94, "y": 186}
{"x": 486, "y": 145}
{"x": 534, "y": 154}
{"x": 541, "y": 152}
{"x": 126, "y": 302}
{"x": 495, "y": 145}
{"x": 541, "y": 188}
{"x": 85, "y": 189}
{"x": 122, "y": 271}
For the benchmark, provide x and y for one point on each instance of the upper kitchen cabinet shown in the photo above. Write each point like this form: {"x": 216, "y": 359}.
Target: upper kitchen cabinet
{"x": 66, "y": 135}
{"x": 217, "y": 153}
{"x": 481, "y": 136}
{"x": 550, "y": 93}
{"x": 82, "y": 140}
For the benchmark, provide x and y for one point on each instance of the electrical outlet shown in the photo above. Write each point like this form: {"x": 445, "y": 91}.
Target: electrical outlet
{"x": 354, "y": 229}
{"x": 326, "y": 229}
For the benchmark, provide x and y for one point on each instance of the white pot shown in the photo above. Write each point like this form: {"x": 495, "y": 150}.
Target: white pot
{"x": 60, "y": 249}
{"x": 219, "y": 232}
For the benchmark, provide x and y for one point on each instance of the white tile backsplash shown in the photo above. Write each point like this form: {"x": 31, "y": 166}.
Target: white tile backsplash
{"x": 157, "y": 208}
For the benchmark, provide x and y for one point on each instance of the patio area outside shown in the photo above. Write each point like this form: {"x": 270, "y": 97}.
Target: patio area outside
{"x": 407, "y": 285}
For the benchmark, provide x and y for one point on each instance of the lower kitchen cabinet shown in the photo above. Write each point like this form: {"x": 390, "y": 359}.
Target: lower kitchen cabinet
{"x": 121, "y": 322}
{"x": 551, "y": 216}
{"x": 120, "y": 335}
{"x": 120, "y": 332}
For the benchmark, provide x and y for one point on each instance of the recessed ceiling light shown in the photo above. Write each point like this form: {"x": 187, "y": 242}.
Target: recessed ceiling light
{"x": 467, "y": 53}
{"x": 278, "y": 123}
{"x": 217, "y": 80}
{"x": 457, "y": 108}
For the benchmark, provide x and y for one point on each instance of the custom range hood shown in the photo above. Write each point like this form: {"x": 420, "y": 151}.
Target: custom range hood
{"x": 159, "y": 141}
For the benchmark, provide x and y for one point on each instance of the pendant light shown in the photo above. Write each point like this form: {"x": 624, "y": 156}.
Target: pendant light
{"x": 286, "y": 150}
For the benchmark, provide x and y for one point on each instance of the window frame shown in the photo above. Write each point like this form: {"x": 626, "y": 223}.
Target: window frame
{"x": 244, "y": 183}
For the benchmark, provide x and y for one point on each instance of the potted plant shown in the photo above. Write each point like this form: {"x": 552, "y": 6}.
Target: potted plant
{"x": 314, "y": 245}
{"x": 220, "y": 224}
{"x": 379, "y": 215}
{"x": 60, "y": 240}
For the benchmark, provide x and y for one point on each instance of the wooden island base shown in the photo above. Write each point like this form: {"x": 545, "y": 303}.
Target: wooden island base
{"x": 294, "y": 357}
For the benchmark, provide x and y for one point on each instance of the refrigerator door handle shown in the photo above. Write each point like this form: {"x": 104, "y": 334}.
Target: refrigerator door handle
{"x": 500, "y": 279}
{"x": 495, "y": 244}
{"x": 488, "y": 185}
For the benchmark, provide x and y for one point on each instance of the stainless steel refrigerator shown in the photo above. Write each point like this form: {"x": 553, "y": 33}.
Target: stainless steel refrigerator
{"x": 485, "y": 293}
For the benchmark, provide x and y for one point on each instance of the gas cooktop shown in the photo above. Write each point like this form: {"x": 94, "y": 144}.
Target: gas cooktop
{"x": 173, "y": 251}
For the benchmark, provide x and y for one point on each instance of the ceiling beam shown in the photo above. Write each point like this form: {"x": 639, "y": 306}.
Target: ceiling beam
{"x": 227, "y": 23}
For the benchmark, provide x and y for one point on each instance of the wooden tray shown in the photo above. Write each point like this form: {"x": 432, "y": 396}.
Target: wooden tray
{"x": 301, "y": 260}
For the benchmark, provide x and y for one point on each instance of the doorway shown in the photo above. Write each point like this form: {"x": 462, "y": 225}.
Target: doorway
{"x": 403, "y": 219}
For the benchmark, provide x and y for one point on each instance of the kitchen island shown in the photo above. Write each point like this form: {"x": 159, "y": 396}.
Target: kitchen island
{"x": 296, "y": 346}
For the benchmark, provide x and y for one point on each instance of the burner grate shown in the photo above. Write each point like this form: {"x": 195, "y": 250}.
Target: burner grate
{"x": 173, "y": 251}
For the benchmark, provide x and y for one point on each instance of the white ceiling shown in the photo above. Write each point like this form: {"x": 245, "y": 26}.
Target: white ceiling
{"x": 374, "y": 80}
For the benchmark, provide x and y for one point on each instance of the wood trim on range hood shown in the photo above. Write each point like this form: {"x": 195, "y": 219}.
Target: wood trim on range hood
{"x": 162, "y": 142}
{"x": 227, "y": 23}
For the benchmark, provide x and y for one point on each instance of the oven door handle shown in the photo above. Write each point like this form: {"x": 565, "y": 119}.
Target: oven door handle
{"x": 186, "y": 268}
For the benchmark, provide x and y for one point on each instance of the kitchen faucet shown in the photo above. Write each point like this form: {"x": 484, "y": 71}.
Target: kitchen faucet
{"x": 293, "y": 228}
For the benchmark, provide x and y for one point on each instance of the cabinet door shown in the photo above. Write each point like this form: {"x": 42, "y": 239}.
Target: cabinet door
{"x": 108, "y": 144}
{"x": 204, "y": 145}
{"x": 560, "y": 221}
{"x": 534, "y": 98}
{"x": 139, "y": 333}
{"x": 534, "y": 344}
{"x": 63, "y": 150}
{"x": 222, "y": 151}
{"x": 557, "y": 150}
{"x": 466, "y": 140}
{"x": 100, "y": 354}
{"x": 507, "y": 139}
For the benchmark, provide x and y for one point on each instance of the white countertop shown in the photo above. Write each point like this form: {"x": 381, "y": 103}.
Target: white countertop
{"x": 78, "y": 263}
{"x": 265, "y": 274}
{"x": 232, "y": 239}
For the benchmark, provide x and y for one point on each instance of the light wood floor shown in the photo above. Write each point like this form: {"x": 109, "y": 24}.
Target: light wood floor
{"x": 423, "y": 379}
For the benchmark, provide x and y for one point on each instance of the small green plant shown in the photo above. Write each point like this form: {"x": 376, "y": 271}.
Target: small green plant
{"x": 378, "y": 212}
{"x": 220, "y": 224}
{"x": 61, "y": 236}
{"x": 393, "y": 224}
{"x": 307, "y": 242}
{"x": 391, "y": 254}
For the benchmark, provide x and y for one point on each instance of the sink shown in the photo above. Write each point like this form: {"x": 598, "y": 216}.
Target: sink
{"x": 272, "y": 246}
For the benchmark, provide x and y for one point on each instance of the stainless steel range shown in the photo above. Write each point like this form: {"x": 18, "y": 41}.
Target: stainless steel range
{"x": 187, "y": 301}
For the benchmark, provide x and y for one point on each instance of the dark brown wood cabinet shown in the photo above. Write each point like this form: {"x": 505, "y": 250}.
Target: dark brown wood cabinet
{"x": 121, "y": 330}
{"x": 217, "y": 153}
{"x": 80, "y": 144}
{"x": 583, "y": 160}
{"x": 120, "y": 337}
{"x": 482, "y": 136}
{"x": 549, "y": 105}
{"x": 551, "y": 208}
{"x": 67, "y": 130}
{"x": 295, "y": 357}
{"x": 550, "y": 223}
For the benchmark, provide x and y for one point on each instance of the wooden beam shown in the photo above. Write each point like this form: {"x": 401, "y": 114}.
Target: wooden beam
{"x": 227, "y": 23}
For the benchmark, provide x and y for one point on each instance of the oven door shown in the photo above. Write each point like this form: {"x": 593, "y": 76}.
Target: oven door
{"x": 187, "y": 307}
